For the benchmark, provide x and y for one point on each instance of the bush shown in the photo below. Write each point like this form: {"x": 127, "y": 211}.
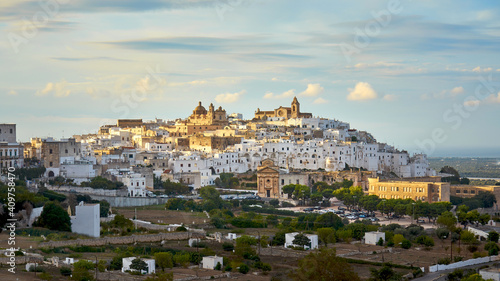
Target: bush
{"x": 479, "y": 255}
{"x": 380, "y": 242}
{"x": 425, "y": 240}
{"x": 218, "y": 266}
{"x": 228, "y": 246}
{"x": 244, "y": 268}
{"x": 446, "y": 260}
{"x": 406, "y": 244}
{"x": 228, "y": 267}
{"x": 65, "y": 271}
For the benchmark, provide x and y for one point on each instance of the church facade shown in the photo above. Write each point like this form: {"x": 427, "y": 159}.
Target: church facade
{"x": 285, "y": 112}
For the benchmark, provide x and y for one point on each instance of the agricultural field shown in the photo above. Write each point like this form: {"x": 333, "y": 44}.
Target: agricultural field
{"x": 469, "y": 167}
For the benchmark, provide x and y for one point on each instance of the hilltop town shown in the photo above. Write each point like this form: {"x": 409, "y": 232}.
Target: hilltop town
{"x": 280, "y": 184}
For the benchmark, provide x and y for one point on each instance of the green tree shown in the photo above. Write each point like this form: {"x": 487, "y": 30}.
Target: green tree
{"x": 54, "y": 217}
{"x": 301, "y": 240}
{"x": 323, "y": 265}
{"x": 139, "y": 265}
{"x": 81, "y": 271}
{"x": 493, "y": 236}
{"x": 164, "y": 260}
{"x": 182, "y": 259}
{"x": 326, "y": 235}
{"x": 289, "y": 189}
{"x": 244, "y": 268}
{"x": 448, "y": 220}
{"x": 328, "y": 220}
{"x": 386, "y": 273}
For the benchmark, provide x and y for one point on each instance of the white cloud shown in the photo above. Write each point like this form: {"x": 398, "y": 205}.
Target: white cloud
{"x": 12, "y": 93}
{"x": 485, "y": 15}
{"x": 48, "y": 88}
{"x": 390, "y": 97}
{"x": 472, "y": 103}
{"x": 457, "y": 91}
{"x": 229, "y": 98}
{"x": 362, "y": 91}
{"x": 274, "y": 79}
{"x": 493, "y": 98}
{"x": 479, "y": 69}
{"x": 287, "y": 94}
{"x": 312, "y": 90}
{"x": 320, "y": 101}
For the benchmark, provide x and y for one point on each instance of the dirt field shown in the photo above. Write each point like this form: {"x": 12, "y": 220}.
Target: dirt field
{"x": 157, "y": 214}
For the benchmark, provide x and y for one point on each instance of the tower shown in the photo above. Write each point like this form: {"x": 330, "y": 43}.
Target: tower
{"x": 295, "y": 108}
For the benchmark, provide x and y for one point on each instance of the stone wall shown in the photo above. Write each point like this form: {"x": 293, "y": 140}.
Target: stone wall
{"x": 123, "y": 239}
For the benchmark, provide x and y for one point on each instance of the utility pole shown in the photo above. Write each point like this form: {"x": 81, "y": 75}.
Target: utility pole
{"x": 413, "y": 217}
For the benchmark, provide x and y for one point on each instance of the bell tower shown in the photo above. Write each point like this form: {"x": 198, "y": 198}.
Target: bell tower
{"x": 295, "y": 108}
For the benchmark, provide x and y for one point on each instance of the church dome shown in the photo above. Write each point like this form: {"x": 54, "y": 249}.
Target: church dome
{"x": 200, "y": 110}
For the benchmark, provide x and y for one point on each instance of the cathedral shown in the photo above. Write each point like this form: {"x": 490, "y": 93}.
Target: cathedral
{"x": 284, "y": 112}
{"x": 201, "y": 116}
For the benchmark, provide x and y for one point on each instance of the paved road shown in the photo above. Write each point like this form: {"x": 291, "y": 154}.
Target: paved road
{"x": 441, "y": 275}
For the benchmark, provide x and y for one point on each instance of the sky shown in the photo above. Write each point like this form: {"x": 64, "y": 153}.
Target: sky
{"x": 423, "y": 76}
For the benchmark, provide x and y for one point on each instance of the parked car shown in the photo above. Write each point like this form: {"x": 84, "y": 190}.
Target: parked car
{"x": 420, "y": 221}
{"x": 342, "y": 208}
{"x": 374, "y": 219}
{"x": 352, "y": 217}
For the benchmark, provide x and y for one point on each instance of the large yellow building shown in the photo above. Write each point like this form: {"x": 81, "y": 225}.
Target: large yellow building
{"x": 200, "y": 121}
{"x": 466, "y": 191}
{"x": 432, "y": 191}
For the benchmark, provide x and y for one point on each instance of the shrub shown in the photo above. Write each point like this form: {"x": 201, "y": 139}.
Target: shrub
{"x": 446, "y": 260}
{"x": 218, "y": 266}
{"x": 380, "y": 242}
{"x": 228, "y": 267}
{"x": 228, "y": 246}
{"x": 406, "y": 244}
{"x": 244, "y": 268}
{"x": 65, "y": 271}
{"x": 479, "y": 255}
{"x": 425, "y": 240}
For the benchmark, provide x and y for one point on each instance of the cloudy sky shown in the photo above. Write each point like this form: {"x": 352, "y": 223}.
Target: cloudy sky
{"x": 421, "y": 75}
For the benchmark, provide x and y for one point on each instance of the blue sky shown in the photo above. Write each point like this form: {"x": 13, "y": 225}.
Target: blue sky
{"x": 421, "y": 75}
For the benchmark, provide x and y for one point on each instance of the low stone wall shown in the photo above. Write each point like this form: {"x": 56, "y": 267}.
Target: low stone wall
{"x": 123, "y": 239}
{"x": 130, "y": 201}
{"x": 22, "y": 260}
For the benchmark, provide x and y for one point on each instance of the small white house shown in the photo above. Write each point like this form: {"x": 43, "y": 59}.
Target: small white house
{"x": 231, "y": 236}
{"x": 128, "y": 261}
{"x": 211, "y": 262}
{"x": 87, "y": 220}
{"x": 372, "y": 238}
{"x": 193, "y": 241}
{"x": 289, "y": 237}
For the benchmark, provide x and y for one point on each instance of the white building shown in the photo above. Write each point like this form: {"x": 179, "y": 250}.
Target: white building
{"x": 372, "y": 238}
{"x": 87, "y": 220}
{"x": 127, "y": 262}
{"x": 136, "y": 185}
{"x": 289, "y": 237}
{"x": 211, "y": 262}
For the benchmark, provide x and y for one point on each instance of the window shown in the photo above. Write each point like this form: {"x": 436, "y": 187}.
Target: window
{"x": 50, "y": 151}
{"x": 297, "y": 181}
{"x": 50, "y": 164}
{"x": 282, "y": 181}
{"x": 11, "y": 131}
